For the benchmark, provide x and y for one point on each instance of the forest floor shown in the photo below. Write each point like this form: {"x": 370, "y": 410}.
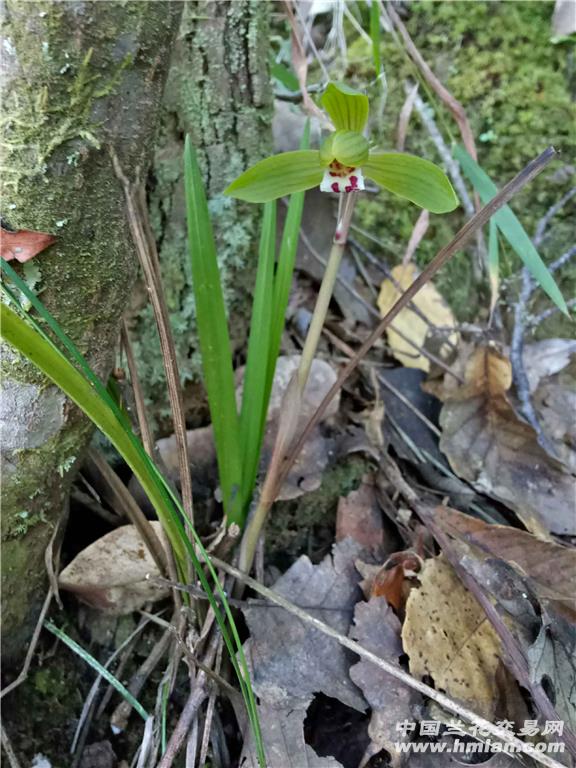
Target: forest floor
{"x": 433, "y": 488}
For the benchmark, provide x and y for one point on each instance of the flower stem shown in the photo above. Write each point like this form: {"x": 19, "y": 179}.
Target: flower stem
{"x": 295, "y": 391}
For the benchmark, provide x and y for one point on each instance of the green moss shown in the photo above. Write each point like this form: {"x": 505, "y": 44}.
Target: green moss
{"x": 497, "y": 59}
{"x": 306, "y": 525}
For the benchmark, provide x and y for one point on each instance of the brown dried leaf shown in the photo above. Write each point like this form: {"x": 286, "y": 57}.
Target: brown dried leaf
{"x": 430, "y": 304}
{"x": 359, "y": 516}
{"x": 551, "y": 567}
{"x": 291, "y": 661}
{"x": 24, "y": 244}
{"x": 377, "y": 628}
{"x": 291, "y": 658}
{"x": 487, "y": 445}
{"x": 110, "y": 574}
{"x": 447, "y": 636}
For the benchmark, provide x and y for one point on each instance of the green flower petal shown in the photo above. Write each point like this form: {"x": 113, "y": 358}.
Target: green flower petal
{"x": 411, "y": 177}
{"x": 348, "y": 147}
{"x": 347, "y": 108}
{"x": 277, "y": 176}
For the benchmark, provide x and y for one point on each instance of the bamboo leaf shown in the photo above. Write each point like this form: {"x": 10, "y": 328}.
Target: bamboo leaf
{"x": 214, "y": 339}
{"x": 511, "y": 228}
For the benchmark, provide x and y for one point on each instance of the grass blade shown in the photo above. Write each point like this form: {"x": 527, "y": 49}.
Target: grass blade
{"x": 214, "y": 338}
{"x": 102, "y": 671}
{"x": 254, "y": 403}
{"x": 511, "y": 228}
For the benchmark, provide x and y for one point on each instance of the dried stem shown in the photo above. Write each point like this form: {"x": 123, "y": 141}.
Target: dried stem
{"x": 142, "y": 416}
{"x": 146, "y": 249}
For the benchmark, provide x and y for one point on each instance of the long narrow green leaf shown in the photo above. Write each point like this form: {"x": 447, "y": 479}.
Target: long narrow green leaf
{"x": 42, "y": 352}
{"x": 254, "y": 404}
{"x": 375, "y": 35}
{"x": 511, "y": 228}
{"x": 67, "y": 343}
{"x": 285, "y": 271}
{"x": 214, "y": 339}
{"x": 95, "y": 664}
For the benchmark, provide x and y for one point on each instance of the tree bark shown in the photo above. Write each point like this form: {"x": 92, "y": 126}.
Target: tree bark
{"x": 79, "y": 78}
{"x": 219, "y": 92}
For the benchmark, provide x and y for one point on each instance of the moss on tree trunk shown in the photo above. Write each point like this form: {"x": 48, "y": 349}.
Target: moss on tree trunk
{"x": 219, "y": 92}
{"x": 79, "y": 77}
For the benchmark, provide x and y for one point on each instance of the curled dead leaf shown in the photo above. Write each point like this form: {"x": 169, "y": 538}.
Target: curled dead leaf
{"x": 23, "y": 244}
{"x": 111, "y": 574}
{"x": 551, "y": 567}
{"x": 487, "y": 445}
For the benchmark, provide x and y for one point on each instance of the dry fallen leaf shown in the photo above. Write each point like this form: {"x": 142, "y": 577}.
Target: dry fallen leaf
{"x": 551, "y": 567}
{"x": 359, "y": 516}
{"x": 430, "y": 304}
{"x": 291, "y": 661}
{"x": 377, "y": 628}
{"x": 110, "y": 574}
{"x": 24, "y": 244}
{"x": 447, "y": 636}
{"x": 487, "y": 445}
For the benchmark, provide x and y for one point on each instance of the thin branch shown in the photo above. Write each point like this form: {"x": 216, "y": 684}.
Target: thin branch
{"x": 521, "y": 319}
{"x": 535, "y": 320}
{"x": 440, "y": 698}
{"x": 119, "y": 719}
{"x": 439, "y": 89}
{"x": 197, "y": 696}
{"x": 374, "y": 312}
{"x": 8, "y": 749}
{"x": 123, "y": 499}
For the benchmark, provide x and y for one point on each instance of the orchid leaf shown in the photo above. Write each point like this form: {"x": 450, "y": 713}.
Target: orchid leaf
{"x": 277, "y": 176}
{"x": 347, "y": 108}
{"x": 511, "y": 228}
{"x": 214, "y": 338}
{"x": 418, "y": 180}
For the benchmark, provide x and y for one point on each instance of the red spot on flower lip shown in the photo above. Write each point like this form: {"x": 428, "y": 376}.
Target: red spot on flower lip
{"x": 335, "y": 187}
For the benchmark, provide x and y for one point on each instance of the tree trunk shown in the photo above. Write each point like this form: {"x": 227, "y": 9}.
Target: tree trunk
{"x": 79, "y": 77}
{"x": 219, "y": 92}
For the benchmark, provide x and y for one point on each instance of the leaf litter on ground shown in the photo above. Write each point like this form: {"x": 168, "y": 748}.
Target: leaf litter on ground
{"x": 489, "y": 446}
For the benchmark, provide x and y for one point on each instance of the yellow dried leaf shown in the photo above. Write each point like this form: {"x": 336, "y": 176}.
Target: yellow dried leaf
{"x": 431, "y": 305}
{"x": 446, "y": 635}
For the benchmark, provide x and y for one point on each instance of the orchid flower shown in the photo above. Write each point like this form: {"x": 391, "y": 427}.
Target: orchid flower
{"x": 344, "y": 161}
